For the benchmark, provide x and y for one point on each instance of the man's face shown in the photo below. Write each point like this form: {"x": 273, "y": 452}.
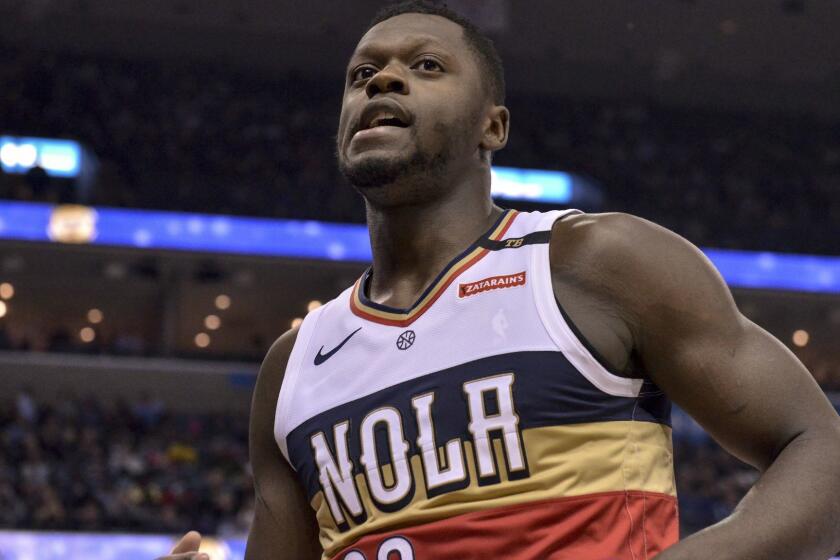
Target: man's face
{"x": 412, "y": 102}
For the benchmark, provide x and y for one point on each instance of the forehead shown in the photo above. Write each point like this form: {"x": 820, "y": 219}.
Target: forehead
{"x": 407, "y": 30}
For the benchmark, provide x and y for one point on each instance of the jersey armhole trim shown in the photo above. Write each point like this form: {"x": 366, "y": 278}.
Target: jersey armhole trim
{"x": 583, "y": 340}
{"x": 290, "y": 380}
{"x": 562, "y": 332}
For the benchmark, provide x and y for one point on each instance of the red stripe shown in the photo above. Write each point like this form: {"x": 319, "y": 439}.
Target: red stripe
{"x": 630, "y": 525}
{"x": 413, "y": 316}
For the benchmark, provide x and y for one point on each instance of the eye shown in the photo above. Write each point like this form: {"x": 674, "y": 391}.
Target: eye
{"x": 429, "y": 65}
{"x": 363, "y": 73}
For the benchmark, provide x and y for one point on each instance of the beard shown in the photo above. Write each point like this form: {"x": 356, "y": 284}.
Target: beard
{"x": 419, "y": 166}
{"x": 383, "y": 171}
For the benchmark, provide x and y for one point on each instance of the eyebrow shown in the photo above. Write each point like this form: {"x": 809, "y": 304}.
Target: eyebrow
{"x": 375, "y": 50}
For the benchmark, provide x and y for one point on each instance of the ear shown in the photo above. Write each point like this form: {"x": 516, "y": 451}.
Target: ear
{"x": 496, "y": 125}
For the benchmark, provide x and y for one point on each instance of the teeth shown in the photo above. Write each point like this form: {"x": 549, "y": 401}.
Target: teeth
{"x": 380, "y": 119}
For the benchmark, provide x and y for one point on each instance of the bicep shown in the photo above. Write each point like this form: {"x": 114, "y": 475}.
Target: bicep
{"x": 746, "y": 389}
{"x": 738, "y": 381}
{"x": 284, "y": 524}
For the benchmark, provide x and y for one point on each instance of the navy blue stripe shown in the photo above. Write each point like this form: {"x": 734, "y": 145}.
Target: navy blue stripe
{"x": 547, "y": 391}
{"x": 533, "y": 238}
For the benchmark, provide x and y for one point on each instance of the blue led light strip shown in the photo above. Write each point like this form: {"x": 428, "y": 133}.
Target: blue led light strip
{"x": 777, "y": 271}
{"x": 59, "y": 158}
{"x": 534, "y": 185}
{"x": 184, "y": 232}
{"x": 61, "y": 546}
{"x": 327, "y": 241}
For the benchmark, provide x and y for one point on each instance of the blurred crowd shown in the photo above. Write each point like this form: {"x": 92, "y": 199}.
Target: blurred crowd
{"x": 91, "y": 465}
{"x": 86, "y": 464}
{"x": 710, "y": 481}
{"x": 59, "y": 339}
{"x": 209, "y": 139}
{"x": 181, "y": 138}
{"x": 825, "y": 372}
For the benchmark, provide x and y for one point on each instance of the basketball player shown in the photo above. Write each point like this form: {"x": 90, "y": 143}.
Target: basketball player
{"x": 496, "y": 385}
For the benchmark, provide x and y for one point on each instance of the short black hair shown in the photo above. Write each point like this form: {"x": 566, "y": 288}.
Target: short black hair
{"x": 482, "y": 46}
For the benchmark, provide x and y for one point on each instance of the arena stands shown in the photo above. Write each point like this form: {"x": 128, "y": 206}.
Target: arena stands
{"x": 92, "y": 465}
{"x": 203, "y": 138}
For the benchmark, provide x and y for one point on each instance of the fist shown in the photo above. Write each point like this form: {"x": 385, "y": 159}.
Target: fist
{"x": 187, "y": 548}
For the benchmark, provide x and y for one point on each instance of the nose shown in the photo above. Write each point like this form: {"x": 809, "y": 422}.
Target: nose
{"x": 387, "y": 80}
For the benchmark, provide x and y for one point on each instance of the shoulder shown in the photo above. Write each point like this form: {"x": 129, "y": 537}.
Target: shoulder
{"x": 633, "y": 262}
{"x": 264, "y": 401}
{"x": 272, "y": 371}
{"x": 617, "y": 242}
{"x": 273, "y": 368}
{"x": 278, "y": 354}
{"x": 615, "y": 235}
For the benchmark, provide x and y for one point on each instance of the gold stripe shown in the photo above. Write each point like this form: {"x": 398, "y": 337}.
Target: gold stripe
{"x": 564, "y": 461}
{"x": 455, "y": 269}
{"x": 503, "y": 224}
{"x": 419, "y": 307}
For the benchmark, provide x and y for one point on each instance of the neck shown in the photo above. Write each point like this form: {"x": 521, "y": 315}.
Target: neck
{"x": 411, "y": 244}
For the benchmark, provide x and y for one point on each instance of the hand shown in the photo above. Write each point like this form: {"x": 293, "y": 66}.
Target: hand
{"x": 187, "y": 548}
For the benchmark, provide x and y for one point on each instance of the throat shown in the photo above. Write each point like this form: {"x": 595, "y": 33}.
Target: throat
{"x": 398, "y": 292}
{"x": 404, "y": 272}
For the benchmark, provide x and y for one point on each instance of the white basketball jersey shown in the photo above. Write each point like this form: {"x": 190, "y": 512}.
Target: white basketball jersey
{"x": 453, "y": 428}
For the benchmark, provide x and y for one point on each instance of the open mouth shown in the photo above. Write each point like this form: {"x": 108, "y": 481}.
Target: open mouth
{"x": 385, "y": 120}
{"x": 380, "y": 121}
{"x": 383, "y": 114}
{"x": 381, "y": 125}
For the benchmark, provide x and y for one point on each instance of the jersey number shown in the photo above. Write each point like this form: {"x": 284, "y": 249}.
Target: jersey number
{"x": 398, "y": 545}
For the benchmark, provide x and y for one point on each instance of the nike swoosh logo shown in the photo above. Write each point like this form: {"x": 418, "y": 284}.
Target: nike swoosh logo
{"x": 321, "y": 358}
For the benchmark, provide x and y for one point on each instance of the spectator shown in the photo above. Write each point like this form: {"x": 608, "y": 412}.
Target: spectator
{"x": 94, "y": 466}
{"x": 207, "y": 139}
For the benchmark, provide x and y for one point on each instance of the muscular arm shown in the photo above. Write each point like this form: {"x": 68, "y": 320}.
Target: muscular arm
{"x": 284, "y": 525}
{"x": 674, "y": 316}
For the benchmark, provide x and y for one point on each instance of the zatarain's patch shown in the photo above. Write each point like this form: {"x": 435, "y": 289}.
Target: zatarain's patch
{"x": 492, "y": 283}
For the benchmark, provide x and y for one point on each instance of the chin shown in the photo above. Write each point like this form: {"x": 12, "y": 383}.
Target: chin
{"x": 371, "y": 170}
